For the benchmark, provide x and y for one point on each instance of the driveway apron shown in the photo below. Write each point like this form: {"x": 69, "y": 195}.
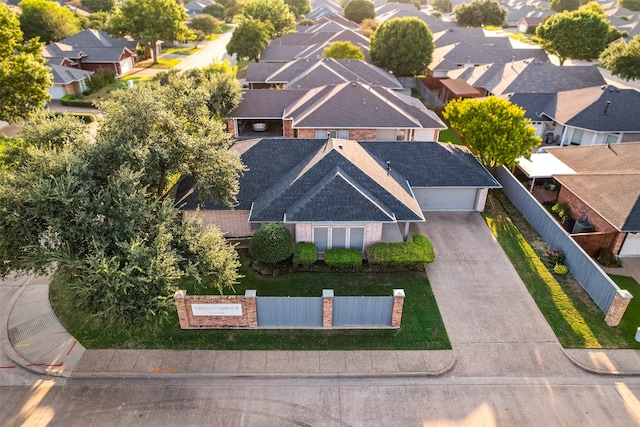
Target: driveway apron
{"x": 493, "y": 323}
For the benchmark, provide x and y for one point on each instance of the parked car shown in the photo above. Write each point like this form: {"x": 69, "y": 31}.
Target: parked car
{"x": 259, "y": 127}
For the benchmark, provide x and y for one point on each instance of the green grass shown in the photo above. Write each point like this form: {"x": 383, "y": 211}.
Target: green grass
{"x": 631, "y": 319}
{"x": 524, "y": 38}
{"x": 416, "y": 94}
{"x": 174, "y": 50}
{"x": 422, "y": 327}
{"x": 450, "y": 136}
{"x": 163, "y": 64}
{"x": 573, "y": 316}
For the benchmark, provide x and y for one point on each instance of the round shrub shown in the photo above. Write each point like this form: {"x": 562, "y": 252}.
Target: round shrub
{"x": 560, "y": 269}
{"x": 271, "y": 243}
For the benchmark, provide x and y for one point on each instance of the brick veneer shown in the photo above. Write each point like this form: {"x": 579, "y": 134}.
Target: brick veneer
{"x": 287, "y": 129}
{"x": 327, "y": 308}
{"x": 249, "y": 318}
{"x": 398, "y": 303}
{"x": 593, "y": 242}
{"x": 231, "y": 127}
{"x": 619, "y": 305}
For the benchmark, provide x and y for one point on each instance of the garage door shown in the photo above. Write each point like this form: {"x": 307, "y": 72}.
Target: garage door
{"x": 126, "y": 65}
{"x": 631, "y": 245}
{"x": 56, "y": 92}
{"x": 446, "y": 199}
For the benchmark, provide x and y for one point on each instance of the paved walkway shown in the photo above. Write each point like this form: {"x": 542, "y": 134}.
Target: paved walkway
{"x": 494, "y": 326}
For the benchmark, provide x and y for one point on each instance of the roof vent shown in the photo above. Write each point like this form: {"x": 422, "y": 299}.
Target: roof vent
{"x": 388, "y": 165}
{"x": 340, "y": 146}
{"x": 606, "y": 107}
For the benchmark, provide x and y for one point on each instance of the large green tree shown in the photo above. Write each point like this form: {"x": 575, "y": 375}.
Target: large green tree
{"x": 47, "y": 20}
{"x": 275, "y": 12}
{"x": 630, "y": 4}
{"x": 250, "y": 38}
{"x": 205, "y": 23}
{"x": 403, "y": 46}
{"x": 623, "y": 59}
{"x": 100, "y": 208}
{"x": 24, "y": 79}
{"x": 562, "y": 5}
{"x": 581, "y": 34}
{"x": 494, "y": 127}
{"x": 299, "y": 7}
{"x": 343, "y": 50}
{"x": 479, "y": 13}
{"x": 359, "y": 10}
{"x": 150, "y": 21}
{"x": 99, "y": 5}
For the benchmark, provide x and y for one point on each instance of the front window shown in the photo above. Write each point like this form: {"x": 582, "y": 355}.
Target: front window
{"x": 576, "y": 138}
{"x": 338, "y": 237}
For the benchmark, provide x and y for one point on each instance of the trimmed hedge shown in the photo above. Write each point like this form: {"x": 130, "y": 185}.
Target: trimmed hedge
{"x": 72, "y": 101}
{"x": 402, "y": 254}
{"x": 305, "y": 253}
{"x": 342, "y": 259}
{"x": 271, "y": 243}
{"x": 85, "y": 117}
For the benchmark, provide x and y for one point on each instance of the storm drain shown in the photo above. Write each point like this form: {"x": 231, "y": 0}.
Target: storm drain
{"x": 31, "y": 327}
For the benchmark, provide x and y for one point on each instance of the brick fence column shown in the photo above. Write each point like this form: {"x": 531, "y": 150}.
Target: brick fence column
{"x": 618, "y": 307}
{"x": 327, "y": 308}
{"x": 181, "y": 306}
{"x": 252, "y": 308}
{"x": 398, "y": 302}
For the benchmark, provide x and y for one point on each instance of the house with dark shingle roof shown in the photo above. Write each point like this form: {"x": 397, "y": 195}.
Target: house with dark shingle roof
{"x": 590, "y": 116}
{"x": 350, "y": 110}
{"x": 311, "y": 73}
{"x": 601, "y": 182}
{"x": 92, "y": 50}
{"x": 341, "y": 193}
{"x": 68, "y": 81}
{"x": 310, "y": 45}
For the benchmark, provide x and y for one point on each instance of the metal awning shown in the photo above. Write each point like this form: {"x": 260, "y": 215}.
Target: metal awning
{"x": 543, "y": 165}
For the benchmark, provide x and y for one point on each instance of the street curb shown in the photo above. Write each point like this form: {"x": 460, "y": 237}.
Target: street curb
{"x": 597, "y": 371}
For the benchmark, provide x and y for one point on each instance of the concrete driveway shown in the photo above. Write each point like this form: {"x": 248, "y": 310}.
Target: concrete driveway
{"x": 493, "y": 323}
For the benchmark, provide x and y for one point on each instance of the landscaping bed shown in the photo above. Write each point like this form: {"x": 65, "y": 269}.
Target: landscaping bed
{"x": 571, "y": 313}
{"x": 422, "y": 327}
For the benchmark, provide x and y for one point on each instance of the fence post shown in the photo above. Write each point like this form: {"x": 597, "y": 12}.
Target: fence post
{"x": 327, "y": 308}
{"x": 252, "y": 309}
{"x": 398, "y": 302}
{"x": 618, "y": 307}
{"x": 181, "y": 306}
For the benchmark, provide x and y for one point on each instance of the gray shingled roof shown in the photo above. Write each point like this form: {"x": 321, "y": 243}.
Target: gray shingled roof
{"x": 534, "y": 104}
{"x": 339, "y": 180}
{"x": 65, "y": 75}
{"x": 450, "y": 57}
{"x": 267, "y": 104}
{"x": 309, "y": 45}
{"x": 97, "y": 45}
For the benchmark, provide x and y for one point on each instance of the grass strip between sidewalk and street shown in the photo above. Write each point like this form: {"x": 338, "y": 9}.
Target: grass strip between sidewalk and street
{"x": 422, "y": 327}
{"x": 573, "y": 316}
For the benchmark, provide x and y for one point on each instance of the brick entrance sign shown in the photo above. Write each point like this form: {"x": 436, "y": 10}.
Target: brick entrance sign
{"x": 216, "y": 311}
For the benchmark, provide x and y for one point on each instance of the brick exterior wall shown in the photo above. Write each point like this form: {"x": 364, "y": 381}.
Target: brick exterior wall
{"x": 398, "y": 303}
{"x": 249, "y": 318}
{"x": 372, "y": 233}
{"x": 72, "y": 88}
{"x": 617, "y": 308}
{"x": 304, "y": 232}
{"x": 591, "y": 243}
{"x": 287, "y": 129}
{"x": 327, "y": 308}
{"x": 362, "y": 134}
{"x": 619, "y": 242}
{"x": 232, "y": 128}
{"x": 232, "y": 223}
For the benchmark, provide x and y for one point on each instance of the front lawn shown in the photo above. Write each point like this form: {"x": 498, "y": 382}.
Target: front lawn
{"x": 422, "y": 327}
{"x": 448, "y": 135}
{"x": 163, "y": 64}
{"x": 573, "y": 316}
{"x": 177, "y": 50}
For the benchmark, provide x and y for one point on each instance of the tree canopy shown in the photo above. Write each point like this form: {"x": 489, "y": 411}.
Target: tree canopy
{"x": 581, "y": 34}
{"x": 275, "y": 12}
{"x": 630, "y": 4}
{"x": 250, "y": 38}
{"x": 443, "y": 6}
{"x": 150, "y": 21}
{"x": 359, "y": 10}
{"x": 479, "y": 13}
{"x": 403, "y": 46}
{"x": 298, "y": 7}
{"x": 562, "y": 5}
{"x": 623, "y": 59}
{"x": 99, "y": 5}
{"x": 494, "y": 127}
{"x": 98, "y": 205}
{"x": 24, "y": 79}
{"x": 47, "y": 20}
{"x": 343, "y": 50}
{"x": 205, "y": 23}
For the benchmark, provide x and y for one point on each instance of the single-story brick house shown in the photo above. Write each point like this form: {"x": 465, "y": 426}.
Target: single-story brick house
{"x": 341, "y": 193}
{"x": 68, "y": 81}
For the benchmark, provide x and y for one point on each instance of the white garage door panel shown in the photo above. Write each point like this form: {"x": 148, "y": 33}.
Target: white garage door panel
{"x": 446, "y": 199}
{"x": 126, "y": 65}
{"x": 56, "y": 92}
{"x": 631, "y": 246}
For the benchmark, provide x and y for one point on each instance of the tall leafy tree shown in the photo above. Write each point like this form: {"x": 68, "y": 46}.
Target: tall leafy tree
{"x": 47, "y": 20}
{"x": 232, "y": 7}
{"x": 99, "y": 5}
{"x": 250, "y": 38}
{"x": 562, "y": 5}
{"x": 623, "y": 59}
{"x": 343, "y": 50}
{"x": 205, "y": 23}
{"x": 298, "y": 7}
{"x": 630, "y": 4}
{"x": 479, "y": 13}
{"x": 100, "y": 210}
{"x": 403, "y": 46}
{"x": 275, "y": 12}
{"x": 150, "y": 21}
{"x": 24, "y": 79}
{"x": 443, "y": 6}
{"x": 581, "y": 34}
{"x": 494, "y": 127}
{"x": 215, "y": 10}
{"x": 359, "y": 10}
{"x": 95, "y": 21}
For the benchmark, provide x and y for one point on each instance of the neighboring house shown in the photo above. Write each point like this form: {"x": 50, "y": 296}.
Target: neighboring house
{"x": 310, "y": 45}
{"x": 68, "y": 81}
{"x": 528, "y": 24}
{"x": 601, "y": 182}
{"x": 92, "y": 50}
{"x": 195, "y": 7}
{"x": 311, "y": 73}
{"x": 324, "y": 8}
{"x": 331, "y": 24}
{"x": 515, "y": 15}
{"x": 341, "y": 193}
{"x": 590, "y": 116}
{"x": 349, "y": 111}
{"x": 405, "y": 10}
{"x": 528, "y": 76}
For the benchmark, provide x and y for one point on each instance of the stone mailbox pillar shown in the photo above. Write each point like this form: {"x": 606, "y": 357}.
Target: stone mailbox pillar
{"x": 327, "y": 308}
{"x": 618, "y": 307}
{"x": 398, "y": 302}
{"x": 181, "y": 307}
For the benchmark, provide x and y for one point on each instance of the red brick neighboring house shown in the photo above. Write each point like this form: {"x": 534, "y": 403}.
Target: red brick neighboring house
{"x": 92, "y": 50}
{"x": 68, "y": 81}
